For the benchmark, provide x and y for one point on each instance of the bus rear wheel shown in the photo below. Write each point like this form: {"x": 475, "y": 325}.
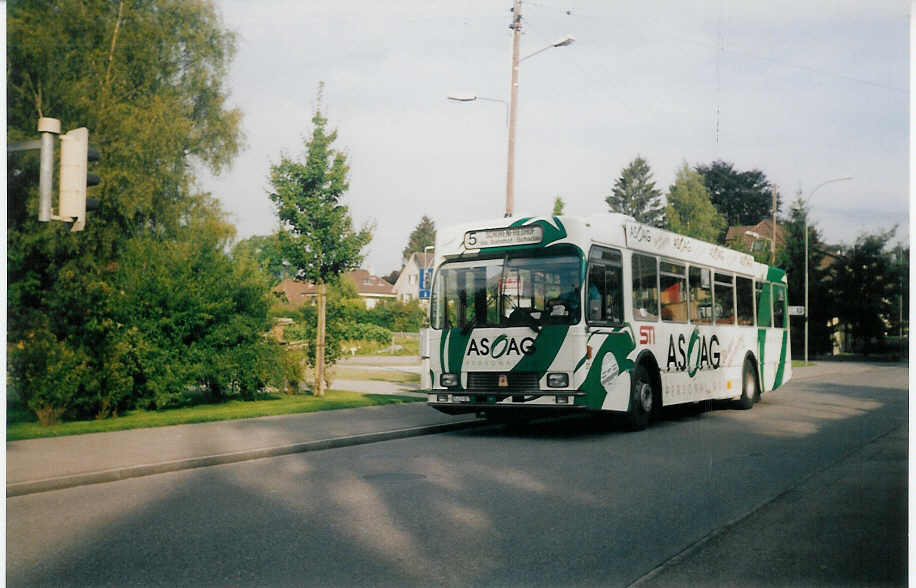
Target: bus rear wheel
{"x": 642, "y": 399}
{"x": 750, "y": 392}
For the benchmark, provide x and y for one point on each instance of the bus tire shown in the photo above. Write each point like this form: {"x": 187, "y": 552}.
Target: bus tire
{"x": 642, "y": 399}
{"x": 750, "y": 391}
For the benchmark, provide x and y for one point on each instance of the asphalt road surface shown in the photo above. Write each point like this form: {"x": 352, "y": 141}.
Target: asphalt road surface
{"x": 559, "y": 503}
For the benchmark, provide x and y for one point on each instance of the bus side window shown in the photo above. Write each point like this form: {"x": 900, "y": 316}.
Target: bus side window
{"x": 725, "y": 299}
{"x": 700, "y": 296}
{"x": 645, "y": 287}
{"x": 744, "y": 299}
{"x": 603, "y": 301}
{"x": 764, "y": 314}
{"x": 673, "y": 295}
{"x": 779, "y": 306}
{"x": 596, "y": 292}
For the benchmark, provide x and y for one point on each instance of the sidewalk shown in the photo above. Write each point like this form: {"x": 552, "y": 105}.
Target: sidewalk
{"x": 826, "y": 368}
{"x": 38, "y": 465}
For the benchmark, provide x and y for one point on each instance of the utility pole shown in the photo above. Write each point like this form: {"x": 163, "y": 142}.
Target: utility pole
{"x": 48, "y": 127}
{"x": 516, "y": 27}
{"x": 773, "y": 244}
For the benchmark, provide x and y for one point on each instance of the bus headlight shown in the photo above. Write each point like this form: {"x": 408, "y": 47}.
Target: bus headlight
{"x": 557, "y": 380}
{"x": 448, "y": 380}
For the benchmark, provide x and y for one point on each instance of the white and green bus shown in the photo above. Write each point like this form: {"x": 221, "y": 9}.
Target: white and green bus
{"x": 544, "y": 315}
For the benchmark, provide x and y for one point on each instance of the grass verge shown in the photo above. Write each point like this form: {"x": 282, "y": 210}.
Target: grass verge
{"x": 800, "y": 363}
{"x": 203, "y": 413}
{"x": 383, "y": 375}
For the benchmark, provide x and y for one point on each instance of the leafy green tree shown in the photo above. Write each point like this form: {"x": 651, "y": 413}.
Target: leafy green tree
{"x": 422, "y": 236}
{"x": 265, "y": 251}
{"x": 822, "y": 302}
{"x": 743, "y": 198}
{"x": 866, "y": 289}
{"x": 317, "y": 236}
{"x": 689, "y": 211}
{"x": 558, "y": 206}
{"x": 147, "y": 80}
{"x": 635, "y": 194}
{"x": 198, "y": 315}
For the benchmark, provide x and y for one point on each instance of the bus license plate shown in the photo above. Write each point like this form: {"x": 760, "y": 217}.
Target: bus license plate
{"x": 461, "y": 398}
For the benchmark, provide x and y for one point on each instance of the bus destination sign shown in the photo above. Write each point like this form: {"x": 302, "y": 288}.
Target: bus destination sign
{"x": 503, "y": 237}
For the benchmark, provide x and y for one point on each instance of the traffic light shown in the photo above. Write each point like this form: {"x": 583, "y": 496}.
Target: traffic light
{"x": 75, "y": 155}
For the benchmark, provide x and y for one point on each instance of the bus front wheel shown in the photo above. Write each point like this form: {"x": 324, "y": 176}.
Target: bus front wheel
{"x": 642, "y": 399}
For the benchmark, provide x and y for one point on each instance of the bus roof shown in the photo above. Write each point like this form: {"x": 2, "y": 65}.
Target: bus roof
{"x": 616, "y": 230}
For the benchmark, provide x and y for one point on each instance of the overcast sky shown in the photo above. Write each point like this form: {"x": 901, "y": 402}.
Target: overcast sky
{"x": 804, "y": 90}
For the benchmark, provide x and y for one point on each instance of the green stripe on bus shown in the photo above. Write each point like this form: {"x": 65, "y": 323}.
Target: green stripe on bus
{"x": 761, "y": 347}
{"x": 581, "y": 363}
{"x": 546, "y": 346}
{"x": 780, "y": 369}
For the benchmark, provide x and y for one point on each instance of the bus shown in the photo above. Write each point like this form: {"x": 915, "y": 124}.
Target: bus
{"x": 550, "y": 315}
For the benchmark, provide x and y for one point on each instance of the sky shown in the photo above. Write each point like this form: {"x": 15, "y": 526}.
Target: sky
{"x": 805, "y": 91}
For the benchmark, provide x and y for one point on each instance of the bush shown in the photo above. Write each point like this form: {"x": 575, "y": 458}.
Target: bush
{"x": 46, "y": 374}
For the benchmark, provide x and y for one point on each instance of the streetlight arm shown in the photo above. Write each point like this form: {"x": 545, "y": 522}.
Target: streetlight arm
{"x": 564, "y": 42}
{"x": 474, "y": 98}
{"x": 822, "y": 184}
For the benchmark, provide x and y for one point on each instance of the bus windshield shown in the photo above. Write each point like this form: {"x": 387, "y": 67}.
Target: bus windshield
{"x": 510, "y": 291}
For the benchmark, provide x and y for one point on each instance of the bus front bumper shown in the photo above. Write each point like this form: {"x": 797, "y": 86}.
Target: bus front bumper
{"x": 461, "y": 402}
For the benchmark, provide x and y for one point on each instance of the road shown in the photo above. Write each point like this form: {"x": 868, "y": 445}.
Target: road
{"x": 566, "y": 502}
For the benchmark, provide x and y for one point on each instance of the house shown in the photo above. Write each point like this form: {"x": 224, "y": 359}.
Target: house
{"x": 756, "y": 237}
{"x": 371, "y": 289}
{"x": 407, "y": 286}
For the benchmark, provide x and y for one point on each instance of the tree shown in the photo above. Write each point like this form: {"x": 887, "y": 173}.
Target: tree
{"x": 743, "y": 198}
{"x": 558, "y": 206}
{"x": 423, "y": 235}
{"x": 147, "y": 80}
{"x": 265, "y": 251}
{"x": 866, "y": 289}
{"x": 689, "y": 211}
{"x": 635, "y": 194}
{"x": 317, "y": 236}
{"x": 822, "y": 303}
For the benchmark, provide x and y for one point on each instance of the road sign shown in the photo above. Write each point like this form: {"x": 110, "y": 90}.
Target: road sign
{"x": 796, "y": 311}
{"x": 426, "y": 283}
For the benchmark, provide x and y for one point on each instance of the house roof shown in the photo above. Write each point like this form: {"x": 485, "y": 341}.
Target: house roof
{"x": 367, "y": 286}
{"x": 764, "y": 229}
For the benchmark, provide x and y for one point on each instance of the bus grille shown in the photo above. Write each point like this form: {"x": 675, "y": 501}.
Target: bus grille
{"x": 489, "y": 381}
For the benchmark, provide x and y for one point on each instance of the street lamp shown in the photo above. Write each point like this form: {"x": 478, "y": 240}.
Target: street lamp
{"x": 516, "y": 27}
{"x": 474, "y": 98}
{"x": 807, "y": 200}
{"x": 513, "y": 100}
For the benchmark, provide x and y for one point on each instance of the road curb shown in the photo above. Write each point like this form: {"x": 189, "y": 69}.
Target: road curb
{"x": 124, "y": 473}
